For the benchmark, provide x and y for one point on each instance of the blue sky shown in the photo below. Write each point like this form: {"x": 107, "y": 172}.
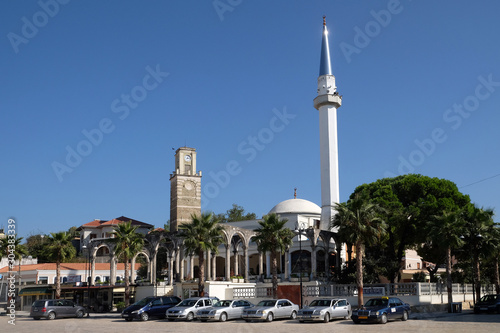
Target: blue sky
{"x": 420, "y": 82}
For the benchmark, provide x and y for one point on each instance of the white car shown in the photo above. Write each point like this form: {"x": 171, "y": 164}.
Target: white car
{"x": 187, "y": 309}
{"x": 224, "y": 310}
{"x": 325, "y": 309}
{"x": 271, "y": 309}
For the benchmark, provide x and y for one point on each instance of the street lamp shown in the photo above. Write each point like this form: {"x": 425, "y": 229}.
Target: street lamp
{"x": 299, "y": 232}
{"x": 87, "y": 277}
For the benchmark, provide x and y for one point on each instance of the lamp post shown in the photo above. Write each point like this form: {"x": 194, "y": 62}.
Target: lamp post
{"x": 87, "y": 277}
{"x": 300, "y": 231}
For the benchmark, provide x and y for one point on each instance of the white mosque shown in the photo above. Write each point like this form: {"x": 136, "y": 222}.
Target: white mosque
{"x": 316, "y": 253}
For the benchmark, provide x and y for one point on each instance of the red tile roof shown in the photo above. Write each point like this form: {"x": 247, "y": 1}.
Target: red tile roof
{"x": 66, "y": 266}
{"x": 116, "y": 221}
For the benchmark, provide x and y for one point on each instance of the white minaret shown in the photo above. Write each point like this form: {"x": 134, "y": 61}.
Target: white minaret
{"x": 327, "y": 102}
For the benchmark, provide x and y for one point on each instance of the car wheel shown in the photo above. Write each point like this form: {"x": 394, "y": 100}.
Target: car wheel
{"x": 144, "y": 316}
{"x": 355, "y": 321}
{"x": 269, "y": 317}
{"x": 405, "y": 316}
{"x": 51, "y": 316}
{"x": 190, "y": 316}
{"x": 327, "y": 318}
{"x": 223, "y": 316}
{"x": 383, "y": 319}
{"x": 293, "y": 315}
{"x": 128, "y": 319}
{"x": 79, "y": 314}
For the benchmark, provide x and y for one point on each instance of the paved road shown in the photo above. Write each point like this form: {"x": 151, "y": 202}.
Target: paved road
{"x": 441, "y": 322}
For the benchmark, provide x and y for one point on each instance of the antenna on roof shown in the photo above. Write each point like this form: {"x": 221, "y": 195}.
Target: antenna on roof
{"x": 295, "y": 193}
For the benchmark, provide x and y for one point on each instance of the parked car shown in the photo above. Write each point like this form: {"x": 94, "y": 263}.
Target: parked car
{"x": 271, "y": 309}
{"x": 56, "y": 308}
{"x": 187, "y": 309}
{"x": 150, "y": 307}
{"x": 488, "y": 303}
{"x": 380, "y": 310}
{"x": 224, "y": 310}
{"x": 325, "y": 309}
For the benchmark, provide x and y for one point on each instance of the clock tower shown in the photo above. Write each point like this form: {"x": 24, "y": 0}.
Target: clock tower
{"x": 185, "y": 188}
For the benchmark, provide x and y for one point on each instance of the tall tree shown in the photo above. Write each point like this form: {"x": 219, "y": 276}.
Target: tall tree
{"x": 204, "y": 233}
{"x": 410, "y": 201}
{"x": 60, "y": 249}
{"x": 491, "y": 247}
{"x": 272, "y": 237}
{"x": 478, "y": 222}
{"x": 127, "y": 244}
{"x": 447, "y": 229}
{"x": 358, "y": 223}
{"x": 19, "y": 250}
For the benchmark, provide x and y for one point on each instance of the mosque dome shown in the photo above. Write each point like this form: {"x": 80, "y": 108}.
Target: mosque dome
{"x": 296, "y": 206}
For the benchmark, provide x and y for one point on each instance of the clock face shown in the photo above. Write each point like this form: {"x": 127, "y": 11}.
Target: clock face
{"x": 187, "y": 158}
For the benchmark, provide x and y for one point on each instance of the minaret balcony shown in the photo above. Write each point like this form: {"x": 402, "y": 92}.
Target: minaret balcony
{"x": 329, "y": 99}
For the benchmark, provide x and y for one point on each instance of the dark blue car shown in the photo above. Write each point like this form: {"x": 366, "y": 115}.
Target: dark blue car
{"x": 150, "y": 307}
{"x": 380, "y": 310}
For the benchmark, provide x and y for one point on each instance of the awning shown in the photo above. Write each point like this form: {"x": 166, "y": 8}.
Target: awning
{"x": 36, "y": 291}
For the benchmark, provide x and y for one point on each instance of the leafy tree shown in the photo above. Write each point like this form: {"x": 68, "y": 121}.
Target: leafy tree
{"x": 236, "y": 213}
{"x": 447, "y": 229}
{"x": 410, "y": 201}
{"x": 204, "y": 233}
{"x": 272, "y": 237}
{"x": 60, "y": 248}
{"x": 358, "y": 223}
{"x": 128, "y": 243}
{"x": 491, "y": 251}
{"x": 35, "y": 245}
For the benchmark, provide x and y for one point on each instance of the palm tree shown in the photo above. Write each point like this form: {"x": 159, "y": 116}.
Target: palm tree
{"x": 60, "y": 248}
{"x": 203, "y": 234}
{"x": 478, "y": 222}
{"x": 127, "y": 244}
{"x": 273, "y": 237}
{"x": 359, "y": 223}
{"x": 491, "y": 250}
{"x": 18, "y": 250}
{"x": 447, "y": 230}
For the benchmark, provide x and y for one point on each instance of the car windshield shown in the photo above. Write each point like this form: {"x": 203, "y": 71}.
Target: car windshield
{"x": 377, "y": 302}
{"x": 320, "y": 302}
{"x": 222, "y": 304}
{"x": 187, "y": 302}
{"x": 267, "y": 303}
{"x": 144, "y": 301}
{"x": 489, "y": 298}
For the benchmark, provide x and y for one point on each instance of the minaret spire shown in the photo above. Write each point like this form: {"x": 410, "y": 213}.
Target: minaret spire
{"x": 327, "y": 102}
{"x": 325, "y": 67}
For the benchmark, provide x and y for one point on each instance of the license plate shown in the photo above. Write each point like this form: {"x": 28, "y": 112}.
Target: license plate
{"x": 124, "y": 315}
{"x": 363, "y": 317}
{"x": 484, "y": 309}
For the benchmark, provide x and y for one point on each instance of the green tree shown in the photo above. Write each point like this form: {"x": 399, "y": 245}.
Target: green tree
{"x": 491, "y": 253}
{"x": 60, "y": 249}
{"x": 235, "y": 214}
{"x": 358, "y": 223}
{"x": 127, "y": 244}
{"x": 36, "y": 247}
{"x": 204, "y": 233}
{"x": 447, "y": 230}
{"x": 410, "y": 202}
{"x": 19, "y": 251}
{"x": 272, "y": 237}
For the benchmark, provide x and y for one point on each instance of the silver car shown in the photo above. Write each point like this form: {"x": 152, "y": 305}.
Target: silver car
{"x": 271, "y": 309}
{"x": 187, "y": 309}
{"x": 224, "y": 310}
{"x": 324, "y": 309}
